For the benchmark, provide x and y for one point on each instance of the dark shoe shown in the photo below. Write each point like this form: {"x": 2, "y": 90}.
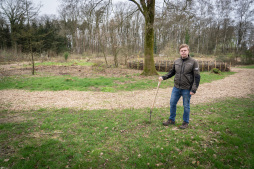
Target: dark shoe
{"x": 168, "y": 122}
{"x": 184, "y": 125}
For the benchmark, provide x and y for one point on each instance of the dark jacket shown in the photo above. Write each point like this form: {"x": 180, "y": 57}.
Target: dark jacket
{"x": 186, "y": 73}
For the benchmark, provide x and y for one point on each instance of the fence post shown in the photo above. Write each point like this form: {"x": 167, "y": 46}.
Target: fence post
{"x": 208, "y": 65}
{"x": 166, "y": 66}
{"x": 159, "y": 65}
{"x": 215, "y": 64}
{"x": 202, "y": 66}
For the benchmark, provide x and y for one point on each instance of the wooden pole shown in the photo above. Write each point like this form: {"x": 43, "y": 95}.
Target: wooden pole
{"x": 166, "y": 66}
{"x": 202, "y": 66}
{"x": 159, "y": 65}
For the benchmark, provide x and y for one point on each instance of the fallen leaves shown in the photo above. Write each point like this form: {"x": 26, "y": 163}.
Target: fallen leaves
{"x": 196, "y": 163}
{"x": 159, "y": 164}
{"x": 6, "y": 160}
{"x": 175, "y": 128}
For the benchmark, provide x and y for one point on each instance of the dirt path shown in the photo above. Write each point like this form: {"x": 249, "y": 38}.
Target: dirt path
{"x": 238, "y": 85}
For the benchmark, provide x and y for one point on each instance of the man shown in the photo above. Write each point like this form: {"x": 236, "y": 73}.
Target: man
{"x": 186, "y": 82}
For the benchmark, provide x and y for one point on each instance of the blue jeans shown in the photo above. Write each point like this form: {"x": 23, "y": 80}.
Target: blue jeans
{"x": 175, "y": 96}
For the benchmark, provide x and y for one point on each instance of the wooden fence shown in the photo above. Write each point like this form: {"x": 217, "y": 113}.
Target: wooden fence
{"x": 165, "y": 66}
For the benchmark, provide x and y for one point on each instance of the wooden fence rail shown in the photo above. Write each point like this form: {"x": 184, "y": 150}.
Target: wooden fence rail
{"x": 165, "y": 66}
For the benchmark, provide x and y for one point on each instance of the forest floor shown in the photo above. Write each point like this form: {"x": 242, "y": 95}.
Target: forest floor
{"x": 238, "y": 85}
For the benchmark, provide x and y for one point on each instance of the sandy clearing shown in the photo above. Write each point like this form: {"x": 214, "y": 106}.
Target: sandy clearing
{"x": 239, "y": 85}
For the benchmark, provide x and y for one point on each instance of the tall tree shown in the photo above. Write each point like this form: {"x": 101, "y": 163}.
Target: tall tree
{"x": 147, "y": 8}
{"x": 18, "y": 12}
{"x": 14, "y": 11}
{"x": 70, "y": 13}
{"x": 4, "y": 34}
{"x": 244, "y": 13}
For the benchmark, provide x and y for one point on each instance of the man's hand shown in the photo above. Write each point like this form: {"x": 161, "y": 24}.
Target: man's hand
{"x": 160, "y": 79}
{"x": 191, "y": 93}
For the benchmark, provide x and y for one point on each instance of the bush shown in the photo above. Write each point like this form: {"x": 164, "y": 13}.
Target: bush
{"x": 66, "y": 55}
{"x": 216, "y": 71}
{"x": 248, "y": 57}
{"x": 99, "y": 67}
{"x": 192, "y": 55}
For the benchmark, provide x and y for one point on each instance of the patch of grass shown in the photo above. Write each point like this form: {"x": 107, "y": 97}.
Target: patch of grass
{"x": 248, "y": 67}
{"x": 57, "y": 83}
{"x": 220, "y": 135}
{"x": 105, "y": 84}
{"x": 67, "y": 63}
{"x": 208, "y": 77}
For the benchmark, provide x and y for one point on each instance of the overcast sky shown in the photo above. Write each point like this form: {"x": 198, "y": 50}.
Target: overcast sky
{"x": 51, "y": 6}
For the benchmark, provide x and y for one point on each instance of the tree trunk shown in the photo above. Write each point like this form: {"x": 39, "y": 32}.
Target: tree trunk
{"x": 105, "y": 58}
{"x": 31, "y": 49}
{"x": 115, "y": 60}
{"x": 149, "y": 66}
{"x": 149, "y": 13}
{"x": 33, "y": 63}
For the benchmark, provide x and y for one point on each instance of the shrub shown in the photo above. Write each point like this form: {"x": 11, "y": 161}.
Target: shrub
{"x": 216, "y": 71}
{"x": 192, "y": 55}
{"x": 66, "y": 55}
{"x": 248, "y": 57}
{"x": 99, "y": 67}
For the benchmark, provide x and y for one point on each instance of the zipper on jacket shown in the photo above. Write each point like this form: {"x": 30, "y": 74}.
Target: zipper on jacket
{"x": 182, "y": 68}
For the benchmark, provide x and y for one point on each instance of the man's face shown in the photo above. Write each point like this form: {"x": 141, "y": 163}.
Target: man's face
{"x": 184, "y": 52}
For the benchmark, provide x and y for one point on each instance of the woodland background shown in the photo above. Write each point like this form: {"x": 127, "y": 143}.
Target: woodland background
{"x": 100, "y": 28}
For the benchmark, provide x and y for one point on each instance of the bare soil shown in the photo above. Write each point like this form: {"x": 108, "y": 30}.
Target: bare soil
{"x": 239, "y": 85}
{"x": 75, "y": 70}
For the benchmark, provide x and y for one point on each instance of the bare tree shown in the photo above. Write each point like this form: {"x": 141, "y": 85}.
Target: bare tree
{"x": 244, "y": 13}
{"x": 103, "y": 42}
{"x": 147, "y": 8}
{"x": 70, "y": 14}
{"x": 208, "y": 26}
{"x": 14, "y": 11}
{"x": 114, "y": 41}
{"x": 31, "y": 11}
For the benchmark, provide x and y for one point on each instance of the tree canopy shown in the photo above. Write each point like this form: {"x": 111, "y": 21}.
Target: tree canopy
{"x": 99, "y": 26}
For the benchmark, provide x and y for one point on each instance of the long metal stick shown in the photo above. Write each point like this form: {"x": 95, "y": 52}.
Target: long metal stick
{"x": 154, "y": 100}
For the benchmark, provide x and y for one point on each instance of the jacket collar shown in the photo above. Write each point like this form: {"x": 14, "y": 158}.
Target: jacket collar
{"x": 185, "y": 58}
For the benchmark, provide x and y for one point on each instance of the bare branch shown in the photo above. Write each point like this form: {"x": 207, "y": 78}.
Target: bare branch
{"x": 138, "y": 5}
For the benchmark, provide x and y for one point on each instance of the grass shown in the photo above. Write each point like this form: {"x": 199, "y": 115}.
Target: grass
{"x": 248, "y": 67}
{"x": 57, "y": 83}
{"x": 69, "y": 63}
{"x": 105, "y": 84}
{"x": 220, "y": 135}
